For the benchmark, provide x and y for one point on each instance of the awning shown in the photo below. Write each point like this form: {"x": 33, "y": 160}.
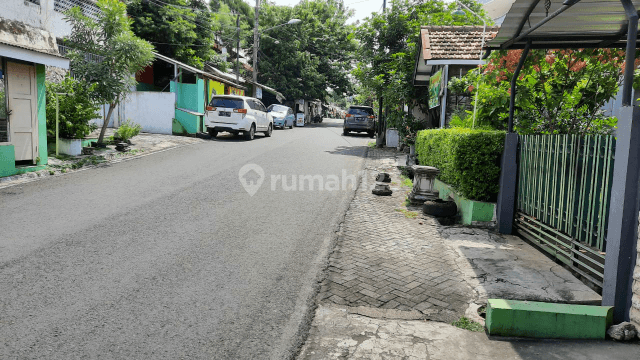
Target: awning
{"x": 197, "y": 71}
{"x": 567, "y": 24}
{"x": 27, "y": 43}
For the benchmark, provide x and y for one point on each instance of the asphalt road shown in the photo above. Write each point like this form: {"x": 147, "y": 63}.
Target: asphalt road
{"x": 168, "y": 257}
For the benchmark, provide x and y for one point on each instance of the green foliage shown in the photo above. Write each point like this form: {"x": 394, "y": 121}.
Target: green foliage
{"x": 406, "y": 181}
{"x": 308, "y": 58}
{"x": 106, "y": 53}
{"x": 76, "y": 109}
{"x": 468, "y": 324}
{"x": 558, "y": 91}
{"x": 387, "y": 53}
{"x": 127, "y": 130}
{"x": 408, "y": 214}
{"x": 181, "y": 29}
{"x": 468, "y": 160}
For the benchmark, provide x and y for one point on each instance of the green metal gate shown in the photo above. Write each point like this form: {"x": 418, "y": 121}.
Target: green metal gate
{"x": 564, "y": 188}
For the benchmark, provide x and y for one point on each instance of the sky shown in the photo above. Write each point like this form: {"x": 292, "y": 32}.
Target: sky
{"x": 363, "y": 8}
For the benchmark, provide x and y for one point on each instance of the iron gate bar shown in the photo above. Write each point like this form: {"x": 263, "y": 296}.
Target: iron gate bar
{"x": 568, "y": 238}
{"x": 567, "y": 258}
{"x": 563, "y": 190}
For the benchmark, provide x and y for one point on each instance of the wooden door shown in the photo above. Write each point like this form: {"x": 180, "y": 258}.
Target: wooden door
{"x": 23, "y": 124}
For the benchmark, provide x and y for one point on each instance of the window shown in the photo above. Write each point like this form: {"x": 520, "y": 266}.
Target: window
{"x": 227, "y": 103}
{"x": 278, "y": 108}
{"x": 360, "y": 111}
{"x": 89, "y": 9}
{"x": 37, "y": 2}
{"x": 4, "y": 125}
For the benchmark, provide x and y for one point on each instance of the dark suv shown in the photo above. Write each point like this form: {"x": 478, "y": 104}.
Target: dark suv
{"x": 360, "y": 119}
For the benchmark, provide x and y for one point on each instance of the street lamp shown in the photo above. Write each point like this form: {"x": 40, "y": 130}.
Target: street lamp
{"x": 459, "y": 11}
{"x": 256, "y": 39}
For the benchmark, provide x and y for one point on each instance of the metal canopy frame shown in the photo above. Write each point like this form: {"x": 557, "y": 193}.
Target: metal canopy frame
{"x": 575, "y": 24}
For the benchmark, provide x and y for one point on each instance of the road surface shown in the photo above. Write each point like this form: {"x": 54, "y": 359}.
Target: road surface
{"x": 168, "y": 257}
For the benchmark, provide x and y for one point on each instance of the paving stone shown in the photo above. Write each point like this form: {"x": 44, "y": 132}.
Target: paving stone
{"x": 382, "y": 259}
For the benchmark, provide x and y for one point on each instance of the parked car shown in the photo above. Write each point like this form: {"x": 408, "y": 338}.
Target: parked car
{"x": 279, "y": 113}
{"x": 237, "y": 114}
{"x": 360, "y": 119}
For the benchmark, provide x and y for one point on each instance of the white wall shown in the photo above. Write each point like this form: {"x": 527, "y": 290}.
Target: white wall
{"x": 40, "y": 16}
{"x": 153, "y": 110}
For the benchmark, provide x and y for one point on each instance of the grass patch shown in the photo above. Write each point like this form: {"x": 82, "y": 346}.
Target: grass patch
{"x": 371, "y": 144}
{"x": 406, "y": 202}
{"x": 467, "y": 324}
{"x": 408, "y": 214}
{"x": 406, "y": 181}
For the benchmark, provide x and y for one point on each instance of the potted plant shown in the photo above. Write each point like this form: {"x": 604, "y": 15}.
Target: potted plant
{"x": 76, "y": 108}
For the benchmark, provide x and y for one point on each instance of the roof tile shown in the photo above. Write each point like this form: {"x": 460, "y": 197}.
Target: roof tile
{"x": 454, "y": 42}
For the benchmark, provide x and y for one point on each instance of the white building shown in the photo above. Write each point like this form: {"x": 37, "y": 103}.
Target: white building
{"x": 46, "y": 14}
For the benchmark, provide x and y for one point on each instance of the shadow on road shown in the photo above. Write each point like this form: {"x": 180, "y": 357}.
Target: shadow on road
{"x": 358, "y": 151}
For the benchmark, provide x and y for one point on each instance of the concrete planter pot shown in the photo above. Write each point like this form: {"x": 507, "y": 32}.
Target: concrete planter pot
{"x": 72, "y": 147}
{"x": 392, "y": 137}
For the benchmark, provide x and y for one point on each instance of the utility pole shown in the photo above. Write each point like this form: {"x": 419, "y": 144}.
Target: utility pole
{"x": 238, "y": 49}
{"x": 380, "y": 139}
{"x": 255, "y": 51}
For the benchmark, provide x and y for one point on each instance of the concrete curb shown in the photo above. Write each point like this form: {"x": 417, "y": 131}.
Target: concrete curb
{"x": 88, "y": 167}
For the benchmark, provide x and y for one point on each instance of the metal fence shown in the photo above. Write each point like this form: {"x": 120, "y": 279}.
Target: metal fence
{"x": 89, "y": 8}
{"x": 564, "y": 188}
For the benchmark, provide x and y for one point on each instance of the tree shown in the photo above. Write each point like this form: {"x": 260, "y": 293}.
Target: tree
{"x": 558, "y": 91}
{"x": 180, "y": 29}
{"x": 107, "y": 53}
{"x": 388, "y": 49}
{"x": 304, "y": 60}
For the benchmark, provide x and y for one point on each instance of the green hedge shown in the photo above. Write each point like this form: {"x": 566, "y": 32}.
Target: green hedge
{"x": 468, "y": 160}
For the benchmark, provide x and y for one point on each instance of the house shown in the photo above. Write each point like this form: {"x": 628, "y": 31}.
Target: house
{"x": 25, "y": 50}
{"x": 171, "y": 96}
{"x": 446, "y": 52}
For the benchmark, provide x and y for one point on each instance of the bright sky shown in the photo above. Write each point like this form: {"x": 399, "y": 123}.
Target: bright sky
{"x": 363, "y": 8}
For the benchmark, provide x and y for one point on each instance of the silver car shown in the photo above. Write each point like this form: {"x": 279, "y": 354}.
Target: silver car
{"x": 280, "y": 114}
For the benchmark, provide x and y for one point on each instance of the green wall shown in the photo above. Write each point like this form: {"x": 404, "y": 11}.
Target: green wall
{"x": 190, "y": 96}
{"x": 7, "y": 160}
{"x": 470, "y": 210}
{"x": 42, "y": 115}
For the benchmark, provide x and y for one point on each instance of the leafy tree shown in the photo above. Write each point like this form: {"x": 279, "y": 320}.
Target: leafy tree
{"x": 180, "y": 29}
{"x": 388, "y": 49}
{"x": 304, "y": 60}
{"x": 76, "y": 109}
{"x": 558, "y": 91}
{"x": 107, "y": 53}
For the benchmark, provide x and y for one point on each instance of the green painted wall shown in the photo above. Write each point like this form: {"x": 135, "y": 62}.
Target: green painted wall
{"x": 547, "y": 320}
{"x": 189, "y": 123}
{"x": 190, "y": 96}
{"x": 470, "y": 210}
{"x": 7, "y": 160}
{"x": 42, "y": 115}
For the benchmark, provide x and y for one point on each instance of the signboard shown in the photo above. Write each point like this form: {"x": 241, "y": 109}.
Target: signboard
{"x": 299, "y": 119}
{"x": 258, "y": 92}
{"x": 234, "y": 91}
{"x": 435, "y": 86}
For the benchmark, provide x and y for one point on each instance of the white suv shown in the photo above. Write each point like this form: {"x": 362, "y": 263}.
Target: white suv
{"x": 237, "y": 113}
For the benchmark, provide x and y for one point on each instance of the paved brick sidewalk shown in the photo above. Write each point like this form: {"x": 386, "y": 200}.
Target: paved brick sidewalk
{"x": 386, "y": 260}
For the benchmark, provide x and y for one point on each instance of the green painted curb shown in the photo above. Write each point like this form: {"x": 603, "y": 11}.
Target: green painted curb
{"x": 547, "y": 320}
{"x": 470, "y": 210}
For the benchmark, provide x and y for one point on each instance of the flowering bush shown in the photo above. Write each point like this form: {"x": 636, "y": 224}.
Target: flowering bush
{"x": 558, "y": 91}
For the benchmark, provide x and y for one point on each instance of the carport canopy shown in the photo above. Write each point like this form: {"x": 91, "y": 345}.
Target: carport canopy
{"x": 566, "y": 24}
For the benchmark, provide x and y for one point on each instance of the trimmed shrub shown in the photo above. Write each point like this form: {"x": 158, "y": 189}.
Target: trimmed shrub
{"x": 468, "y": 160}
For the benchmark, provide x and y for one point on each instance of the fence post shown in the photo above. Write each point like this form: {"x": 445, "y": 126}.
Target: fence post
{"x": 623, "y": 216}
{"x": 508, "y": 177}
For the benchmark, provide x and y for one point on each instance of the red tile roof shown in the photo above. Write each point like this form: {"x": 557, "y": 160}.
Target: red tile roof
{"x": 454, "y": 42}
